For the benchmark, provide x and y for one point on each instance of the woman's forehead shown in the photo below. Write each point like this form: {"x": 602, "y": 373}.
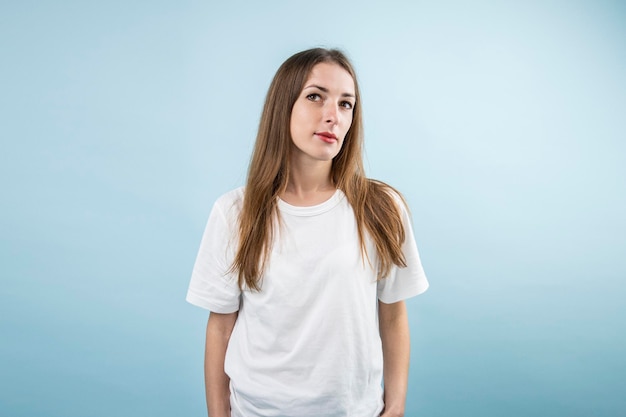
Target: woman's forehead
{"x": 331, "y": 76}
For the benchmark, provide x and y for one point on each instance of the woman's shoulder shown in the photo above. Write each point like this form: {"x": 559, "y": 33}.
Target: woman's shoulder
{"x": 232, "y": 195}
{"x": 231, "y": 201}
{"x": 385, "y": 190}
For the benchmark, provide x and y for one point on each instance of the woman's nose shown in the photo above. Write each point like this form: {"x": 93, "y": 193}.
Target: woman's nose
{"x": 330, "y": 113}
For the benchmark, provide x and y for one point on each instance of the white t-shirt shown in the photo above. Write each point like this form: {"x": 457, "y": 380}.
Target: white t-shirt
{"x": 308, "y": 343}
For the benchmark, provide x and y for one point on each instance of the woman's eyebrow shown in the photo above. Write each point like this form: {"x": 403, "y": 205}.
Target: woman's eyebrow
{"x": 325, "y": 90}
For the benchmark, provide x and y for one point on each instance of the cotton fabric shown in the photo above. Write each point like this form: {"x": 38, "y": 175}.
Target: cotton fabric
{"x": 307, "y": 344}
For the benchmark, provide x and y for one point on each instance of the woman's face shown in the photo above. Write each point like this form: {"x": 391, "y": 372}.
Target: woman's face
{"x": 322, "y": 114}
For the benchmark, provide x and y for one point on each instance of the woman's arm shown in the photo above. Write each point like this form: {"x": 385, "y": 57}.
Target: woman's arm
{"x": 394, "y": 332}
{"x": 218, "y": 331}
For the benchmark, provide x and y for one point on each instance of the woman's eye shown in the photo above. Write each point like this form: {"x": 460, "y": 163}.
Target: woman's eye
{"x": 346, "y": 105}
{"x": 314, "y": 97}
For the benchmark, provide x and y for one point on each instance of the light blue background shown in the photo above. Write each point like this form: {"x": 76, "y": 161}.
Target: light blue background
{"x": 502, "y": 122}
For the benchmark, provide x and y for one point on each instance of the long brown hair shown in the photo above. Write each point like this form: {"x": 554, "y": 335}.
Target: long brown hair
{"x": 373, "y": 202}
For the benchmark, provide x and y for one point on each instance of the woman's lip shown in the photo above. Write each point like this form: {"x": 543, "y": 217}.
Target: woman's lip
{"x": 327, "y": 139}
{"x": 327, "y": 135}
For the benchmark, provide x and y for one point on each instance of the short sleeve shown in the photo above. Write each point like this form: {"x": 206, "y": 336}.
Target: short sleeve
{"x": 213, "y": 286}
{"x": 407, "y": 282}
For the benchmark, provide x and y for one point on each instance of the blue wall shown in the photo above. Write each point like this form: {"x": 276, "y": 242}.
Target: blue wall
{"x": 502, "y": 123}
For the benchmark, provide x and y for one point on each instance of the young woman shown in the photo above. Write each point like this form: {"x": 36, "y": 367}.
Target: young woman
{"x": 305, "y": 269}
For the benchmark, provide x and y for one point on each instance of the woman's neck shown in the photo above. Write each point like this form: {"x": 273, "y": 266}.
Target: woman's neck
{"x": 309, "y": 185}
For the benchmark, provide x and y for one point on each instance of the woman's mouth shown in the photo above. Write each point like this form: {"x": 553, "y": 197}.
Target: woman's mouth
{"x": 327, "y": 137}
